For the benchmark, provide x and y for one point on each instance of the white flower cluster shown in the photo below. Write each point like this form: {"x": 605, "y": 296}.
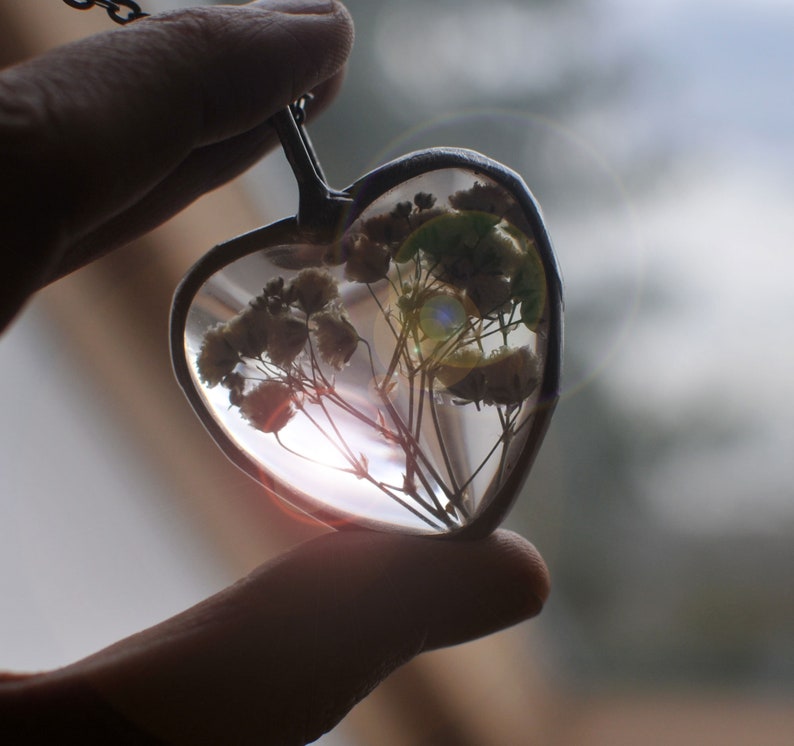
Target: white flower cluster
{"x": 272, "y": 333}
{"x": 507, "y": 376}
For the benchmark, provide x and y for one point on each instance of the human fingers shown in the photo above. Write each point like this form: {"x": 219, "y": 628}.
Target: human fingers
{"x": 203, "y": 170}
{"x": 91, "y": 129}
{"x": 282, "y": 656}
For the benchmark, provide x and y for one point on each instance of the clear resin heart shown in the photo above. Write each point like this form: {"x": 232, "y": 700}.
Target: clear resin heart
{"x": 395, "y": 368}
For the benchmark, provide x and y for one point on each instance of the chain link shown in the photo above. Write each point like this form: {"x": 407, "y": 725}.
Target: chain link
{"x": 120, "y": 11}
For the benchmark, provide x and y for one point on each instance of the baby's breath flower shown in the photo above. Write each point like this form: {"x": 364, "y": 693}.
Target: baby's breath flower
{"x": 268, "y": 407}
{"x": 489, "y": 293}
{"x": 511, "y": 375}
{"x": 367, "y": 261}
{"x": 497, "y": 252}
{"x": 336, "y": 337}
{"x": 402, "y": 210}
{"x": 314, "y": 289}
{"x": 483, "y": 198}
{"x": 274, "y": 286}
{"x": 286, "y": 337}
{"x": 270, "y": 297}
{"x": 424, "y": 201}
{"x": 247, "y": 332}
{"x": 217, "y": 357}
{"x": 236, "y": 385}
{"x": 418, "y": 219}
{"x": 462, "y": 374}
{"x": 507, "y": 376}
{"x": 386, "y": 229}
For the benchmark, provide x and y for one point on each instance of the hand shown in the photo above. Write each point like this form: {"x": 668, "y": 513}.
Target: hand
{"x": 100, "y": 142}
{"x": 103, "y": 140}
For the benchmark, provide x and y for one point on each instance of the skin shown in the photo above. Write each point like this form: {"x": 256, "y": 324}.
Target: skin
{"x": 88, "y": 165}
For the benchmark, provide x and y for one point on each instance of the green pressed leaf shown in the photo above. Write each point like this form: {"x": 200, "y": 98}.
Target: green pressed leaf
{"x": 529, "y": 288}
{"x": 454, "y": 234}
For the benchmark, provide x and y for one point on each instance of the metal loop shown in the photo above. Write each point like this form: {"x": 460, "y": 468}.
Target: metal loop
{"x": 120, "y": 11}
{"x": 298, "y": 108}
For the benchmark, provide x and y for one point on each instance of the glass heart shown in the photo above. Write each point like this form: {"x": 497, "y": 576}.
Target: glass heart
{"x": 388, "y": 358}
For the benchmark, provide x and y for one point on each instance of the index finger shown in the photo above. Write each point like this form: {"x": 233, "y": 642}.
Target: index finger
{"x": 88, "y": 130}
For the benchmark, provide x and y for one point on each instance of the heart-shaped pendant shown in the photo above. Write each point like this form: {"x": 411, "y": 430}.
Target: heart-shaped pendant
{"x": 388, "y": 358}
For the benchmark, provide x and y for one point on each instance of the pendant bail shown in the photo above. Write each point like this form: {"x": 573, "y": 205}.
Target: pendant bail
{"x": 319, "y": 205}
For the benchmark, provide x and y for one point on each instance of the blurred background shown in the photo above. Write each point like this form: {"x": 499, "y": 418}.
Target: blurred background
{"x": 658, "y": 139}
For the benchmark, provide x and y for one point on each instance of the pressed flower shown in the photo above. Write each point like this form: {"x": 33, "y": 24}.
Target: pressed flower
{"x": 511, "y": 375}
{"x": 462, "y": 374}
{"x": 272, "y": 298}
{"x": 386, "y": 229}
{"x": 268, "y": 407}
{"x": 336, "y": 337}
{"x": 424, "y": 201}
{"x": 287, "y": 336}
{"x": 484, "y": 198}
{"x": 470, "y": 388}
{"x": 367, "y": 261}
{"x": 217, "y": 357}
{"x": 402, "y": 210}
{"x": 497, "y": 252}
{"x": 313, "y": 289}
{"x": 247, "y": 332}
{"x": 489, "y": 293}
{"x": 236, "y": 385}
{"x": 274, "y": 286}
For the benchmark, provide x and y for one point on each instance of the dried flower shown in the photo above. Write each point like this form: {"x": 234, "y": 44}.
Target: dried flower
{"x": 507, "y": 376}
{"x": 402, "y": 210}
{"x": 386, "y": 229}
{"x": 424, "y": 201}
{"x": 286, "y": 337}
{"x": 217, "y": 357}
{"x": 268, "y": 407}
{"x": 313, "y": 289}
{"x": 511, "y": 375}
{"x": 489, "y": 293}
{"x": 274, "y": 286}
{"x": 236, "y": 385}
{"x": 336, "y": 337}
{"x": 367, "y": 261}
{"x": 483, "y": 198}
{"x": 462, "y": 374}
{"x": 272, "y": 297}
{"x": 247, "y": 332}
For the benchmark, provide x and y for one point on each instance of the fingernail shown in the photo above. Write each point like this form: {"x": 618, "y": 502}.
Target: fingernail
{"x": 298, "y": 7}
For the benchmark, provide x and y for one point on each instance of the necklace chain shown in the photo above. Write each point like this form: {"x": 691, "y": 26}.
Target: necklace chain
{"x": 120, "y": 11}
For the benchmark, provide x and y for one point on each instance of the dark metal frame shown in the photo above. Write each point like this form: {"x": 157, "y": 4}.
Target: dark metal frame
{"x": 324, "y": 212}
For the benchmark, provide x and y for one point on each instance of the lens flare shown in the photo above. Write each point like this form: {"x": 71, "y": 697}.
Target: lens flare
{"x": 596, "y": 230}
{"x": 441, "y": 317}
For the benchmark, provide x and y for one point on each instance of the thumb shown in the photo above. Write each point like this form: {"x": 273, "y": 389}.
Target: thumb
{"x": 280, "y": 657}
